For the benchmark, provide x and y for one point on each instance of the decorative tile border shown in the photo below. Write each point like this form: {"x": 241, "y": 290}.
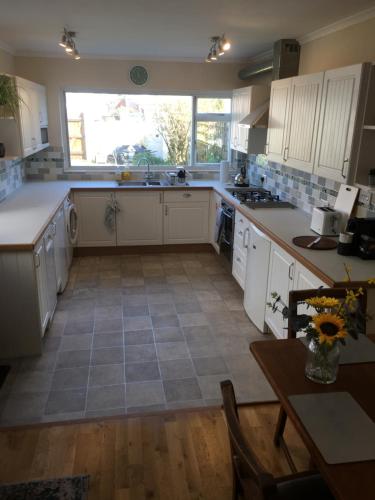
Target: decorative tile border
{"x": 12, "y": 175}
{"x": 302, "y": 189}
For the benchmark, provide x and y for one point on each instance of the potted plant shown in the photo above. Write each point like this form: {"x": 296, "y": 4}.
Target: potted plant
{"x": 9, "y": 97}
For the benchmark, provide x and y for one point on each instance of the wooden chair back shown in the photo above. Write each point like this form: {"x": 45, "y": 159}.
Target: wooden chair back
{"x": 296, "y": 296}
{"x": 249, "y": 477}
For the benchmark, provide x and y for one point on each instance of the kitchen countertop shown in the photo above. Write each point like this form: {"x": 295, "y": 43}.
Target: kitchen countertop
{"x": 25, "y": 214}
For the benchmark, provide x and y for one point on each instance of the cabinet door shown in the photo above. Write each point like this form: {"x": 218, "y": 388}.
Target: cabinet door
{"x": 305, "y": 280}
{"x": 305, "y": 99}
{"x": 42, "y": 101}
{"x": 93, "y": 231}
{"x": 49, "y": 245}
{"x": 186, "y": 223}
{"x": 244, "y": 110}
{"x": 234, "y": 120}
{"x": 215, "y": 204}
{"x": 280, "y": 281}
{"x": 278, "y": 119}
{"x": 41, "y": 278}
{"x": 29, "y": 117}
{"x": 336, "y": 124}
{"x": 139, "y": 220}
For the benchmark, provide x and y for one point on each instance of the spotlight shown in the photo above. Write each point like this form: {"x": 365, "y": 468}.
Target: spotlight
{"x": 67, "y": 42}
{"x": 220, "y": 49}
{"x": 209, "y": 57}
{"x": 76, "y": 55}
{"x": 63, "y": 41}
{"x": 225, "y": 43}
{"x": 213, "y": 54}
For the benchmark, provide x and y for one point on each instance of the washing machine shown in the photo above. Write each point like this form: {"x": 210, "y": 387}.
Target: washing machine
{"x": 71, "y": 224}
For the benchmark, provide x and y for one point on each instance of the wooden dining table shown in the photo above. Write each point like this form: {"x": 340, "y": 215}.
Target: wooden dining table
{"x": 283, "y": 363}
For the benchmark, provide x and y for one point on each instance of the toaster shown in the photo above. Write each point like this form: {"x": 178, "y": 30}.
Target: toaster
{"x": 325, "y": 221}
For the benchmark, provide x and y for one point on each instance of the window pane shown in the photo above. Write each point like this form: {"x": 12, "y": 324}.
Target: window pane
{"x": 213, "y": 105}
{"x": 119, "y": 129}
{"x": 212, "y": 142}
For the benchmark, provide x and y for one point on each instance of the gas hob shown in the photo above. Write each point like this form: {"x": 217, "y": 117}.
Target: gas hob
{"x": 254, "y": 197}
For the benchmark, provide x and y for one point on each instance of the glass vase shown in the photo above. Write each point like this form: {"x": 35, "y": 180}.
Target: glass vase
{"x": 322, "y": 362}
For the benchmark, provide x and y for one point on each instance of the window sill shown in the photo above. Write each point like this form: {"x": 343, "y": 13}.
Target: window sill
{"x": 93, "y": 170}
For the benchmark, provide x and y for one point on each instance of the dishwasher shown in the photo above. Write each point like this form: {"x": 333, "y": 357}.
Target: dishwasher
{"x": 255, "y": 298}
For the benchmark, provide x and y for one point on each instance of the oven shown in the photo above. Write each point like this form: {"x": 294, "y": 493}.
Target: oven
{"x": 227, "y": 231}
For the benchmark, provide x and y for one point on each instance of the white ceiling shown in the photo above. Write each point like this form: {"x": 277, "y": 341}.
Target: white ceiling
{"x": 165, "y": 29}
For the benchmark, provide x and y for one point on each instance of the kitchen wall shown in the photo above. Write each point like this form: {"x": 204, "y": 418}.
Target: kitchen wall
{"x": 12, "y": 174}
{"x": 302, "y": 189}
{"x": 6, "y": 62}
{"x": 112, "y": 74}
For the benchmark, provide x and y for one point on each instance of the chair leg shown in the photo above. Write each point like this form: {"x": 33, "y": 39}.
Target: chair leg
{"x": 280, "y": 426}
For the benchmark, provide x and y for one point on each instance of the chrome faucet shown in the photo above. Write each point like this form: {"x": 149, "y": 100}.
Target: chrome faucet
{"x": 148, "y": 175}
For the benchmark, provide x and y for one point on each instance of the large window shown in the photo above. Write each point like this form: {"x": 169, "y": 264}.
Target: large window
{"x": 107, "y": 130}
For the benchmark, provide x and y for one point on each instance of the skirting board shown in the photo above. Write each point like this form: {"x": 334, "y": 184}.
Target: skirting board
{"x": 144, "y": 249}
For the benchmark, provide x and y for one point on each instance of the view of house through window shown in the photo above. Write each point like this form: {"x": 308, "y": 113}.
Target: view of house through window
{"x": 110, "y": 130}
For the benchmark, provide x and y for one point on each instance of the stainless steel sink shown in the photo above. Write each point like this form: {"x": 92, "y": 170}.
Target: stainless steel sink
{"x": 132, "y": 183}
{"x": 139, "y": 183}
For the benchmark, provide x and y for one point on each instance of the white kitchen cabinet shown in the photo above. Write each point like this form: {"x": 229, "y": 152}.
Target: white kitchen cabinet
{"x": 49, "y": 246}
{"x": 139, "y": 219}
{"x": 280, "y": 281}
{"x": 42, "y": 105}
{"x": 302, "y": 122}
{"x": 186, "y": 222}
{"x": 255, "y": 297}
{"x": 240, "y": 247}
{"x": 42, "y": 284}
{"x": 60, "y": 250}
{"x": 340, "y": 95}
{"x": 91, "y": 210}
{"x": 278, "y": 119}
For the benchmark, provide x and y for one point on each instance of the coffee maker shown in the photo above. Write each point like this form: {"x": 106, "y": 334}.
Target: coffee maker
{"x": 363, "y": 230}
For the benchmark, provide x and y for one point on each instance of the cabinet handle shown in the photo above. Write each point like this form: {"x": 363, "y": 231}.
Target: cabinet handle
{"x": 290, "y": 274}
{"x": 240, "y": 233}
{"x": 186, "y": 195}
{"x": 238, "y": 259}
{"x": 285, "y": 156}
{"x": 343, "y": 166}
{"x": 160, "y": 197}
{"x": 246, "y": 240}
{"x": 266, "y": 149}
{"x": 166, "y": 210}
{"x": 37, "y": 259}
{"x": 254, "y": 246}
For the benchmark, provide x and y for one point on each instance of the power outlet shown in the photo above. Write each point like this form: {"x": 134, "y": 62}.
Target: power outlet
{"x": 365, "y": 196}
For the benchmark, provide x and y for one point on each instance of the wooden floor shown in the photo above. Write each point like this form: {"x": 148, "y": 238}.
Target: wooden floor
{"x": 179, "y": 455}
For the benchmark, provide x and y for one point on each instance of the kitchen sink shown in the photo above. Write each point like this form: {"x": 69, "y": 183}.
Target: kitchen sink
{"x": 139, "y": 183}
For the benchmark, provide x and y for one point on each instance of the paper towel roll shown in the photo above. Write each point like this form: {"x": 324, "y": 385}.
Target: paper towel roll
{"x": 224, "y": 172}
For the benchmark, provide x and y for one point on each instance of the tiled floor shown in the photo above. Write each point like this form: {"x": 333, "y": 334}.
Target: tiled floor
{"x": 134, "y": 333}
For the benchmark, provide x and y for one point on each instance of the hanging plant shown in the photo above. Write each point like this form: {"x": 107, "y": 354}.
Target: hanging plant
{"x": 9, "y": 98}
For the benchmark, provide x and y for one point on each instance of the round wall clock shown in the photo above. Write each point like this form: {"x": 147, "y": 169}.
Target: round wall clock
{"x": 138, "y": 75}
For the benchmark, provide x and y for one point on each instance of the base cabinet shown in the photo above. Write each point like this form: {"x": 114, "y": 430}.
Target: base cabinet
{"x": 186, "y": 222}
{"x": 93, "y": 228}
{"x": 139, "y": 218}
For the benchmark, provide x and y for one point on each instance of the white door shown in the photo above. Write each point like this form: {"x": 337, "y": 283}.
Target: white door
{"x": 278, "y": 119}
{"x": 41, "y": 279}
{"x": 280, "y": 281}
{"x": 49, "y": 245}
{"x": 244, "y": 110}
{"x": 305, "y": 99}
{"x": 186, "y": 222}
{"x": 234, "y": 120}
{"x": 42, "y": 100}
{"x": 29, "y": 117}
{"x": 139, "y": 219}
{"x": 337, "y": 119}
{"x": 255, "y": 297}
{"x": 94, "y": 229}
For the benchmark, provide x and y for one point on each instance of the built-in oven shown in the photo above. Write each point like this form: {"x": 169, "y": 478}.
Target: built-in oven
{"x": 227, "y": 231}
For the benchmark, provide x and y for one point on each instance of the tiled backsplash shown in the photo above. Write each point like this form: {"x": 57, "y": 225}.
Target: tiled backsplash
{"x": 299, "y": 188}
{"x": 11, "y": 176}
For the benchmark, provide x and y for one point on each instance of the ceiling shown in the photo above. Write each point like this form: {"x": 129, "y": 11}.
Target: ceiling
{"x": 165, "y": 29}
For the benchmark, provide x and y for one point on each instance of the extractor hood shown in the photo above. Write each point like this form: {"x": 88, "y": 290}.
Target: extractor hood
{"x": 257, "y": 118}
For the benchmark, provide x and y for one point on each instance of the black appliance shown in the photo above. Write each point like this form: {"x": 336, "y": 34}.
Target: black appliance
{"x": 227, "y": 231}
{"x": 364, "y": 237}
{"x": 255, "y": 197}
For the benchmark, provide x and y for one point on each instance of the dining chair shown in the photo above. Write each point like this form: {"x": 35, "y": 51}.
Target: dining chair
{"x": 295, "y": 297}
{"x": 251, "y": 480}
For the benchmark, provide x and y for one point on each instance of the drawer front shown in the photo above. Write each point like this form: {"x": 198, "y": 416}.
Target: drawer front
{"x": 188, "y": 195}
{"x": 239, "y": 267}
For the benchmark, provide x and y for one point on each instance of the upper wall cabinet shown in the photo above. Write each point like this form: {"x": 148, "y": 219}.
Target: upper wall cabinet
{"x": 28, "y": 133}
{"x": 244, "y": 102}
{"x": 338, "y": 112}
{"x": 317, "y": 122}
{"x": 293, "y": 120}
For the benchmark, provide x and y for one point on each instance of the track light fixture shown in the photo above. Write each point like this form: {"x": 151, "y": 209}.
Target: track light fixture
{"x": 220, "y": 45}
{"x": 68, "y": 43}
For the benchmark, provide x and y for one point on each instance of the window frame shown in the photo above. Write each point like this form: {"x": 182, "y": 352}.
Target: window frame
{"x": 194, "y": 166}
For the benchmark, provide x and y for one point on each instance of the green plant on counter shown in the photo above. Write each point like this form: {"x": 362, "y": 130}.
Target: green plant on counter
{"x": 10, "y": 100}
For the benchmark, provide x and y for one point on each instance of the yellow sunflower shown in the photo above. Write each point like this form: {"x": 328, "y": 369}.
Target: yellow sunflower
{"x": 329, "y": 327}
{"x": 323, "y": 302}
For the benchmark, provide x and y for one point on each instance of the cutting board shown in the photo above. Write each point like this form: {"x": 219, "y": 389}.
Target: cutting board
{"x": 345, "y": 202}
